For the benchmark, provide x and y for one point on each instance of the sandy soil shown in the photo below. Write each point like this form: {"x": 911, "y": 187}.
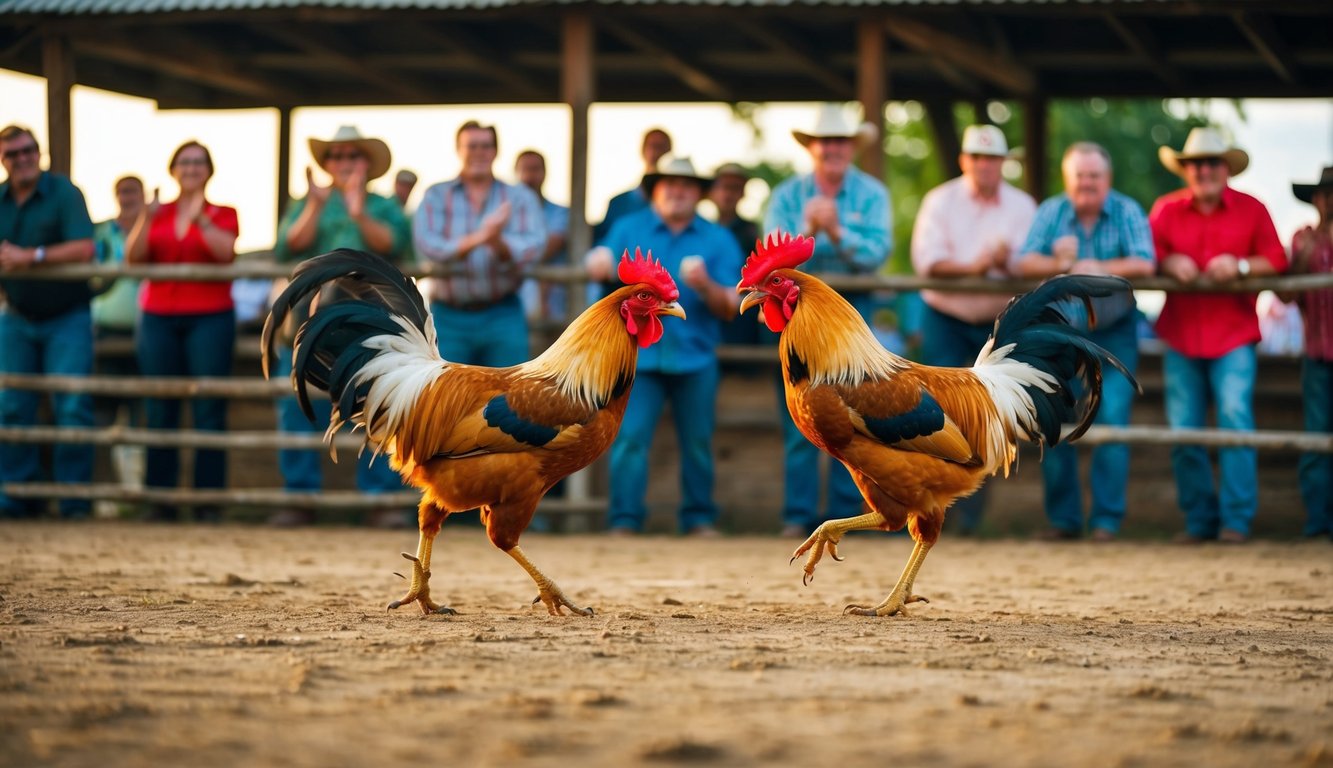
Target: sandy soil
{"x": 126, "y": 644}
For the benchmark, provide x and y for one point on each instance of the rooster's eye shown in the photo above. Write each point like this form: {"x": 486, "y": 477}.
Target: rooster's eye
{"x": 645, "y": 296}
{"x": 776, "y": 280}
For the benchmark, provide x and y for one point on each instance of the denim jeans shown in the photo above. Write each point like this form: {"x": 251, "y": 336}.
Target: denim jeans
{"x": 948, "y": 341}
{"x": 1229, "y": 382}
{"x": 693, "y": 399}
{"x": 1316, "y": 469}
{"x": 63, "y": 346}
{"x": 186, "y": 345}
{"x": 1110, "y": 462}
{"x": 496, "y": 336}
{"x": 302, "y": 469}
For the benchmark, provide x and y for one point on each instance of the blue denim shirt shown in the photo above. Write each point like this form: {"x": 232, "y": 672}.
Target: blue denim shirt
{"x": 55, "y": 213}
{"x": 863, "y": 212}
{"x": 689, "y": 345}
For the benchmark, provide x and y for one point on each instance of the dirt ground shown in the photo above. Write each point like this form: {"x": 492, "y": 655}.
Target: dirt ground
{"x": 125, "y": 644}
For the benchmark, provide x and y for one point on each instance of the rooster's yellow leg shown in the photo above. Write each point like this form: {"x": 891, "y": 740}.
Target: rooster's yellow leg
{"x": 902, "y": 591}
{"x": 419, "y": 591}
{"x": 827, "y": 536}
{"x": 548, "y": 592}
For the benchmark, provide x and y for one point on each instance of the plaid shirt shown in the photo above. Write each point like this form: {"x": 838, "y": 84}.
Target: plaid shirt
{"x": 1120, "y": 232}
{"x": 445, "y": 217}
{"x": 863, "y": 212}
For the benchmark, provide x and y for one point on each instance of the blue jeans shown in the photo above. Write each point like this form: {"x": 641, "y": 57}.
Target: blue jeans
{"x": 302, "y": 469}
{"x": 948, "y": 341}
{"x": 496, "y": 336}
{"x": 1316, "y": 469}
{"x": 62, "y": 346}
{"x": 1229, "y": 382}
{"x": 186, "y": 345}
{"x": 1110, "y": 461}
{"x": 693, "y": 408}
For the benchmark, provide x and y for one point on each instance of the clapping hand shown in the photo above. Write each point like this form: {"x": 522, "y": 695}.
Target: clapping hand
{"x": 314, "y": 192}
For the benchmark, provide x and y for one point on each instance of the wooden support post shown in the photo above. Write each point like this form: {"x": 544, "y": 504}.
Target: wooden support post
{"x": 871, "y": 89}
{"x": 284, "y": 159}
{"x": 58, "y": 69}
{"x": 1034, "y": 147}
{"x": 945, "y": 133}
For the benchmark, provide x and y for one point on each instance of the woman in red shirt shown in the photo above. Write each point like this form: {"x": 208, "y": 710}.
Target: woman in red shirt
{"x": 185, "y": 328}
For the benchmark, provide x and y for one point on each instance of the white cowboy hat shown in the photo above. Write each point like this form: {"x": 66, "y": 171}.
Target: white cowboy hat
{"x": 832, "y": 123}
{"x": 675, "y": 167}
{"x": 376, "y": 151}
{"x": 1305, "y": 192}
{"x": 984, "y": 140}
{"x": 1204, "y": 143}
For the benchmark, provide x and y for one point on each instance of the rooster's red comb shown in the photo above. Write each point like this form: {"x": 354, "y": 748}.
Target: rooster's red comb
{"x": 781, "y": 251}
{"x": 646, "y": 269}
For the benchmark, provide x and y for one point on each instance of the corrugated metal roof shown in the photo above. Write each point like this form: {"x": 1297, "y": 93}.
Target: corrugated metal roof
{"x": 118, "y": 7}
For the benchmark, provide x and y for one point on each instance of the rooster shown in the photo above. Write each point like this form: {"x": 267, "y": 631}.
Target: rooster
{"x": 914, "y": 437}
{"x": 469, "y": 437}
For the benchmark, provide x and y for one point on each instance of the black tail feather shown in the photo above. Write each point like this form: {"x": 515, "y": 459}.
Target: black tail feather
{"x": 1044, "y": 339}
{"x": 369, "y": 292}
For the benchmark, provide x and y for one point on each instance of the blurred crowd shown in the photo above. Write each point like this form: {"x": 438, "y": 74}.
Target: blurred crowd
{"x": 493, "y": 231}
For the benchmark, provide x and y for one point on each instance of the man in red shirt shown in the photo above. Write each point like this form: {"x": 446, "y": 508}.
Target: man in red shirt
{"x": 1210, "y": 232}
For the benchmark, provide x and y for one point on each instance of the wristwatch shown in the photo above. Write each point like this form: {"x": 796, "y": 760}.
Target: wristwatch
{"x": 39, "y": 254}
{"x": 1243, "y": 267}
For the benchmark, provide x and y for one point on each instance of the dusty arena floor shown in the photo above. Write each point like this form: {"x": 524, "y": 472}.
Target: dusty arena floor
{"x": 124, "y": 644}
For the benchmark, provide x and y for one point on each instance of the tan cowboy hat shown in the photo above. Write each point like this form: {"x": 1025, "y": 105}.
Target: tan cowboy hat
{"x": 376, "y": 151}
{"x": 1305, "y": 192}
{"x": 984, "y": 140}
{"x": 1204, "y": 143}
{"x": 832, "y": 123}
{"x": 675, "y": 167}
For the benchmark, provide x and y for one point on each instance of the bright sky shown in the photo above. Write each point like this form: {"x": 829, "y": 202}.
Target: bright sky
{"x": 116, "y": 135}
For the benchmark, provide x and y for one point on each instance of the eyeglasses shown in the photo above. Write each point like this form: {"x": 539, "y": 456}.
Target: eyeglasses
{"x": 335, "y": 157}
{"x": 17, "y": 152}
{"x": 1207, "y": 162}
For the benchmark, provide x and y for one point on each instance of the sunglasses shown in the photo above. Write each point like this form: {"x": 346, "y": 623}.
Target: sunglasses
{"x": 1206, "y": 162}
{"x": 17, "y": 152}
{"x": 339, "y": 156}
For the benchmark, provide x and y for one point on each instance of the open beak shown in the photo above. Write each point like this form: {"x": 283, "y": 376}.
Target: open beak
{"x": 752, "y": 298}
{"x": 673, "y": 308}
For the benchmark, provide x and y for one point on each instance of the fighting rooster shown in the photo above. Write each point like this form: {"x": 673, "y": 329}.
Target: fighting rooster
{"x": 469, "y": 437}
{"x": 915, "y": 438}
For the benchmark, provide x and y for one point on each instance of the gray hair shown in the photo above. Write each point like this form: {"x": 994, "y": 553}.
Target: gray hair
{"x": 1087, "y": 147}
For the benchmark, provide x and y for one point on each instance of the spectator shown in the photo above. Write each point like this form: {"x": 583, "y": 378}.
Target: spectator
{"x": 403, "y": 184}
{"x": 967, "y": 228}
{"x": 1092, "y": 229}
{"x": 1209, "y": 230}
{"x": 726, "y": 194}
{"x": 544, "y": 302}
{"x": 341, "y": 215}
{"x": 848, "y": 214}
{"x": 185, "y": 328}
{"x": 655, "y": 144}
{"x": 45, "y": 327}
{"x": 704, "y": 260}
{"x": 491, "y": 232}
{"x": 115, "y": 314}
{"x": 1312, "y": 253}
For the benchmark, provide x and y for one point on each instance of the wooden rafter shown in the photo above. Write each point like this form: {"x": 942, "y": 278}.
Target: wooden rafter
{"x": 980, "y": 61}
{"x": 795, "y": 53}
{"x": 1259, "y": 30}
{"x": 695, "y": 78}
{"x": 487, "y": 61}
{"x": 403, "y": 87}
{"x": 205, "y": 71}
{"x": 1143, "y": 43}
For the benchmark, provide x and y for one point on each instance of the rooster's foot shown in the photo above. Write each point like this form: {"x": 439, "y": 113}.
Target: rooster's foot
{"x": 892, "y": 604}
{"x": 824, "y": 538}
{"x": 419, "y": 592}
{"x": 556, "y": 602}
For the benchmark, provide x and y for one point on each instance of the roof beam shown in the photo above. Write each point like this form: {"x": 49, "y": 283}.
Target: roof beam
{"x": 697, "y": 79}
{"x": 984, "y": 63}
{"x": 486, "y": 61}
{"x": 1258, "y": 29}
{"x": 403, "y": 87}
{"x": 211, "y": 72}
{"x": 797, "y": 54}
{"x": 1141, "y": 41}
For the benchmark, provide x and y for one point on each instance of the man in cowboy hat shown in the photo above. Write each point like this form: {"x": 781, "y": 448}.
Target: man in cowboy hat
{"x": 847, "y": 212}
{"x": 343, "y": 214}
{"x": 1312, "y": 253}
{"x": 1210, "y": 231}
{"x": 1092, "y": 229}
{"x": 966, "y": 228}
{"x": 705, "y": 261}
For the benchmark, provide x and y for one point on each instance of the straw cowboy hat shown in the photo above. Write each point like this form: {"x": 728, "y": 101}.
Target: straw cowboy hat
{"x": 832, "y": 123}
{"x": 376, "y": 151}
{"x": 675, "y": 167}
{"x": 1204, "y": 143}
{"x": 1305, "y": 192}
{"x": 984, "y": 140}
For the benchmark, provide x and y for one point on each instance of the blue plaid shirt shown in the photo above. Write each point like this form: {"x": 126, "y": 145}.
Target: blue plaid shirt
{"x": 1120, "y": 232}
{"x": 863, "y": 212}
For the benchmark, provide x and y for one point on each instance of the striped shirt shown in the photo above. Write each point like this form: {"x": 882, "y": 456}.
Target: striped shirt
{"x": 1121, "y": 232}
{"x": 1317, "y": 306}
{"x": 445, "y": 217}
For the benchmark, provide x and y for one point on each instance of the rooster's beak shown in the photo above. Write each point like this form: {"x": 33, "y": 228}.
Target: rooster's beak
{"x": 752, "y": 298}
{"x": 674, "y": 309}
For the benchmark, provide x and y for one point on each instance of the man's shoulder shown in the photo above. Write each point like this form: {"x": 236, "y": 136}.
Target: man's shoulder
{"x": 1179, "y": 198}
{"x": 57, "y": 184}
{"x": 1244, "y": 200}
{"x": 1119, "y": 203}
